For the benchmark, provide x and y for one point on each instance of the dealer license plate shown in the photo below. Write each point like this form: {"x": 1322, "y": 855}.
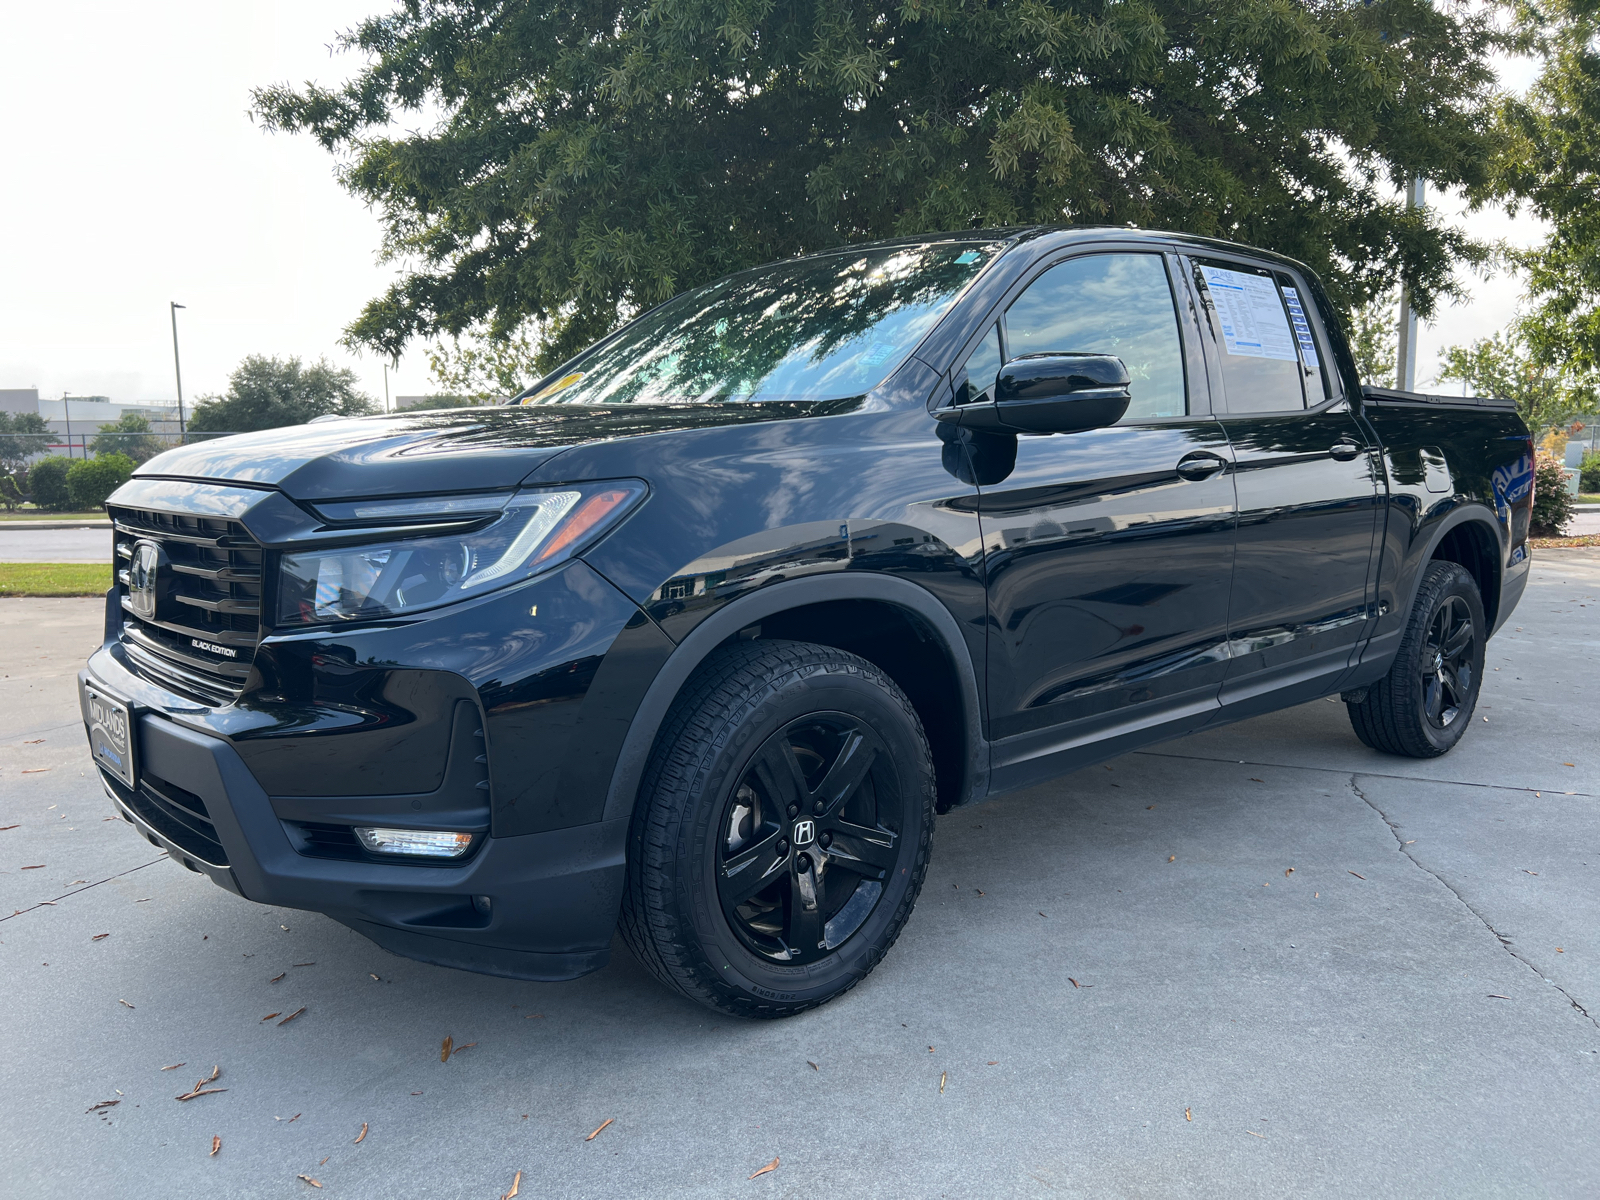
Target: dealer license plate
{"x": 111, "y": 732}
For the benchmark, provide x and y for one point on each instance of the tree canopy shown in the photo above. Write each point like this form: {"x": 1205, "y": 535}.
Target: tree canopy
{"x": 22, "y": 436}
{"x": 267, "y": 393}
{"x": 1503, "y": 366}
{"x": 130, "y": 436}
{"x": 1550, "y": 162}
{"x": 574, "y": 163}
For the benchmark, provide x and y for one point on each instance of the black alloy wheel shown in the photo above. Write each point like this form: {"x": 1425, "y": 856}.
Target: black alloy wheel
{"x": 1424, "y": 705}
{"x": 1448, "y": 661}
{"x": 811, "y": 834}
{"x": 782, "y": 831}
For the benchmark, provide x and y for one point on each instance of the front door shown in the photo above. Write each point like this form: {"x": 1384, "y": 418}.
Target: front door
{"x": 1108, "y": 552}
{"x": 1309, "y": 485}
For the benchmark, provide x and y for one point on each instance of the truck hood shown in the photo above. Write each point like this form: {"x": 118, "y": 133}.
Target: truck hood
{"x": 443, "y": 451}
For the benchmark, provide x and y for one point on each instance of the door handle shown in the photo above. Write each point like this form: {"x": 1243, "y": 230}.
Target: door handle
{"x": 1344, "y": 449}
{"x": 1200, "y": 464}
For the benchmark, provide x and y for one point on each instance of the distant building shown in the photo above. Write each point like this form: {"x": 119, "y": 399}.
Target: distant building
{"x": 84, "y": 416}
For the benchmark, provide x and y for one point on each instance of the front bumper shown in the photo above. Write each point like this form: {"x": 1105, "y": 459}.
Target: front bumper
{"x": 552, "y": 897}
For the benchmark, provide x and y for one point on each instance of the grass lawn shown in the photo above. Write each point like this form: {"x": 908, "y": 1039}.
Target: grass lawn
{"x": 54, "y": 579}
{"x": 38, "y": 514}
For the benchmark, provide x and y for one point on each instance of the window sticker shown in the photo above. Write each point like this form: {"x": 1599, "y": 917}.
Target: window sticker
{"x": 1302, "y": 328}
{"x": 1250, "y": 313}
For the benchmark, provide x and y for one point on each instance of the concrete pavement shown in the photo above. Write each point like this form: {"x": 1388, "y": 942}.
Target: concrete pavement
{"x": 1112, "y": 985}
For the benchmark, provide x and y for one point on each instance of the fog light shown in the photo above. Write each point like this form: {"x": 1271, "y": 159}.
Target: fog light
{"x": 419, "y": 843}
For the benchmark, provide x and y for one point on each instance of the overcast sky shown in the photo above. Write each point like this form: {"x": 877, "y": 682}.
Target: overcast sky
{"x": 132, "y": 176}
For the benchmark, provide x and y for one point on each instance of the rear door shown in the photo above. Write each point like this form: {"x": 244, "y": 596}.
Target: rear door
{"x": 1109, "y": 552}
{"x": 1309, "y": 483}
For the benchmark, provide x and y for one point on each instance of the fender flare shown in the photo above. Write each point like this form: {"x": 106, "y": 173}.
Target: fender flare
{"x": 1472, "y": 511}
{"x": 716, "y": 628}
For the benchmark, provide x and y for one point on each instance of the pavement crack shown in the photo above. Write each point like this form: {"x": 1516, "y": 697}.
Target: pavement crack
{"x": 85, "y": 888}
{"x": 1500, "y": 939}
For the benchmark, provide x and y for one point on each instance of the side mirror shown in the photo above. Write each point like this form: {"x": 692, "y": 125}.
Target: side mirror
{"x": 1050, "y": 393}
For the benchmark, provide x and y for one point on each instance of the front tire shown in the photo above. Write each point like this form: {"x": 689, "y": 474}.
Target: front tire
{"x": 1423, "y": 706}
{"x": 783, "y": 829}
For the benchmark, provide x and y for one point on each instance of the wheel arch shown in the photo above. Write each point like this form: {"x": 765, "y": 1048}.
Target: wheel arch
{"x": 1469, "y": 537}
{"x": 808, "y": 610}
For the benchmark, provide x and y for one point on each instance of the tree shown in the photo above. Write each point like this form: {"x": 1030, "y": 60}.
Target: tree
{"x": 91, "y": 480}
{"x": 268, "y": 393}
{"x": 22, "y": 436}
{"x": 1375, "y": 338}
{"x": 1550, "y": 151}
{"x": 1503, "y": 366}
{"x": 592, "y": 158}
{"x": 130, "y": 435}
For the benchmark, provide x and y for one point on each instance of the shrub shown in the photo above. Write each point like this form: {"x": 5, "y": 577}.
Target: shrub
{"x": 1552, "y": 503}
{"x": 91, "y": 480}
{"x": 13, "y": 490}
{"x": 48, "y": 480}
{"x": 1589, "y": 472}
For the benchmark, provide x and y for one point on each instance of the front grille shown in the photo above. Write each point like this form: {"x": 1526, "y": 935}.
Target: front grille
{"x": 176, "y": 814}
{"x": 212, "y": 594}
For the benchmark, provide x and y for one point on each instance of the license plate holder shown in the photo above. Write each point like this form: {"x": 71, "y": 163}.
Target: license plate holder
{"x": 113, "y": 739}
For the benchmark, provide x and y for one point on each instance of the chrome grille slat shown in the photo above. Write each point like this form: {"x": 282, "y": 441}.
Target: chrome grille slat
{"x": 211, "y": 594}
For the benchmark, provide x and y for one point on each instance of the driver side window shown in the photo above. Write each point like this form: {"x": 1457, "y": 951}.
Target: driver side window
{"x": 1108, "y": 304}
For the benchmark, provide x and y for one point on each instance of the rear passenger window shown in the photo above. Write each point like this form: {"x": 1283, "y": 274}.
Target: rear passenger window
{"x": 1259, "y": 325}
{"x": 1108, "y": 304}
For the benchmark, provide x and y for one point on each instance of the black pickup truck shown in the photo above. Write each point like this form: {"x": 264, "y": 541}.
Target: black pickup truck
{"x": 695, "y": 638}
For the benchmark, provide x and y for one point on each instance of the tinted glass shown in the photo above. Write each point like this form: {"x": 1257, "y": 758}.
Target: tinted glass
{"x": 983, "y": 366}
{"x": 1259, "y": 347}
{"x": 1108, "y": 304}
{"x": 821, "y": 328}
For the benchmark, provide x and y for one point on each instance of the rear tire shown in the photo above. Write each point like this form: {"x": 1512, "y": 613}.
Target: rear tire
{"x": 783, "y": 829}
{"x": 1423, "y": 706}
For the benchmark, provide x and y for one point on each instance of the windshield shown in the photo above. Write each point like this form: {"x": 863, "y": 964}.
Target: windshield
{"x": 822, "y": 328}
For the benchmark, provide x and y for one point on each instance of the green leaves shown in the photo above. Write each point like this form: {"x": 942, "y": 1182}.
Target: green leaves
{"x": 581, "y": 162}
{"x": 267, "y": 393}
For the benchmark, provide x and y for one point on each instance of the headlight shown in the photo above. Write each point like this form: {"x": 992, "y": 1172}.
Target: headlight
{"x": 535, "y": 531}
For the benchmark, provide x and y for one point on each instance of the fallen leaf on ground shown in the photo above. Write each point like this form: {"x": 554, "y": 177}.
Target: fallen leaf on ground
{"x": 275, "y": 978}
{"x": 309, "y": 964}
{"x": 1253, "y": 1133}
{"x": 1187, "y": 1116}
{"x": 216, "y": 1144}
{"x": 269, "y": 1016}
{"x": 5, "y": 827}
{"x": 293, "y": 1015}
{"x": 1524, "y": 869}
{"x": 1497, "y": 996}
{"x": 36, "y": 741}
{"x": 993, "y": 1062}
{"x": 1172, "y": 858}
{"x": 771, "y": 1166}
{"x": 1569, "y": 764}
{"x": 444, "y": 1048}
{"x": 1288, "y": 873}
{"x": 812, "y": 1065}
{"x": 104, "y": 1104}
{"x": 37, "y": 771}
{"x": 360, "y": 1135}
{"x": 942, "y": 1076}
{"x": 325, "y": 1159}
{"x": 35, "y": 867}
{"x": 596, "y": 1133}
{"x": 375, "y": 978}
{"x": 1253, "y": 779}
{"x": 124, "y": 1002}
{"x": 1358, "y": 876}
{"x": 515, "y": 1184}
{"x": 1073, "y": 981}
{"x": 216, "y": 1073}
{"x": 309, "y": 1180}
{"x": 1559, "y": 950}
{"x": 1042, "y": 915}
{"x": 978, "y": 890}
{"x": 532, "y": 1016}
{"x": 291, "y": 1121}
{"x": 459, "y": 1049}
{"x": 174, "y": 1066}
{"x": 98, "y": 936}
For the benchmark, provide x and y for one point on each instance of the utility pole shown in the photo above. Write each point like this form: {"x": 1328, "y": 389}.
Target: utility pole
{"x": 1406, "y": 356}
{"x": 177, "y": 371}
{"x": 385, "y": 387}
{"x": 67, "y": 409}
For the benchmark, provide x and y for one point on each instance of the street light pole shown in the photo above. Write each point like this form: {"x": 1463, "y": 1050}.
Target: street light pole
{"x": 177, "y": 370}
{"x": 1406, "y": 355}
{"x": 67, "y": 411}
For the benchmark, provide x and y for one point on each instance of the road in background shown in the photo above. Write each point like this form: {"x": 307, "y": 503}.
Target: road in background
{"x": 1260, "y": 961}
{"x": 55, "y": 545}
